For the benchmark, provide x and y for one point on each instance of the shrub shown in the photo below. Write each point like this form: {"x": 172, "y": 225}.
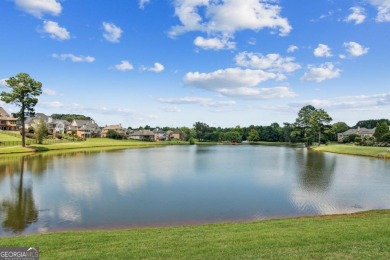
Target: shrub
{"x": 192, "y": 141}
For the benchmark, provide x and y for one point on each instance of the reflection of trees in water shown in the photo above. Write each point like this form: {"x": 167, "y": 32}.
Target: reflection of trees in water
{"x": 316, "y": 170}
{"x": 19, "y": 211}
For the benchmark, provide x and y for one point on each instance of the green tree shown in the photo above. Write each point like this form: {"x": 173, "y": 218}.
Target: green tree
{"x": 380, "y": 130}
{"x": 25, "y": 91}
{"x": 319, "y": 119}
{"x": 112, "y": 134}
{"x": 41, "y": 131}
{"x": 302, "y": 123}
{"x": 253, "y": 136}
{"x": 337, "y": 128}
{"x": 200, "y": 130}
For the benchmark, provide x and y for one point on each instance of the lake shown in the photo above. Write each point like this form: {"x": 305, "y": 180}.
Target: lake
{"x": 181, "y": 185}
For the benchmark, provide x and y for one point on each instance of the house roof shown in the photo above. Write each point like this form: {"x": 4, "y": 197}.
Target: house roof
{"x": 5, "y": 116}
{"x": 113, "y": 127}
{"x": 359, "y": 131}
{"x": 142, "y": 133}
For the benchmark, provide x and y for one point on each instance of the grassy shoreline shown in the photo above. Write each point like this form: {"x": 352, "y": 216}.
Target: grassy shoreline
{"x": 363, "y": 235}
{"x": 349, "y": 149}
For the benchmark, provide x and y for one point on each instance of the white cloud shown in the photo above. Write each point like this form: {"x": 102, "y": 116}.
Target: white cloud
{"x": 185, "y": 100}
{"x": 197, "y": 100}
{"x": 38, "y": 8}
{"x": 322, "y": 51}
{"x": 55, "y": 31}
{"x": 383, "y": 7}
{"x": 54, "y": 104}
{"x": 272, "y": 62}
{"x": 348, "y": 102}
{"x": 227, "y": 17}
{"x": 323, "y": 72}
{"x": 227, "y": 78}
{"x": 142, "y": 3}
{"x": 214, "y": 43}
{"x": 355, "y": 49}
{"x": 258, "y": 93}
{"x": 237, "y": 82}
{"x": 112, "y": 33}
{"x": 357, "y": 15}
{"x": 124, "y": 66}
{"x": 73, "y": 57}
{"x": 158, "y": 67}
{"x": 3, "y": 84}
{"x": 50, "y": 92}
{"x": 292, "y": 48}
{"x": 173, "y": 109}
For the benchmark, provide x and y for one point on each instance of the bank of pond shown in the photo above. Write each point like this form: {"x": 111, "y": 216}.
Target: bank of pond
{"x": 362, "y": 235}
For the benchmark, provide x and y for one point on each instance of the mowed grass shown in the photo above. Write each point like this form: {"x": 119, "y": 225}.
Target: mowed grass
{"x": 354, "y": 150}
{"x": 83, "y": 145}
{"x": 357, "y": 236}
{"x": 4, "y": 138}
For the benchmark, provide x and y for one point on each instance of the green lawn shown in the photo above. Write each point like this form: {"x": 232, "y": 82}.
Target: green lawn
{"x": 5, "y": 137}
{"x": 354, "y": 150}
{"x": 358, "y": 236}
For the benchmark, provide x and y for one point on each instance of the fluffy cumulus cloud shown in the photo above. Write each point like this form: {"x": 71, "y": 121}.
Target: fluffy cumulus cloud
{"x": 355, "y": 49}
{"x": 112, "y": 33}
{"x": 124, "y": 66}
{"x": 55, "y": 31}
{"x": 158, "y": 67}
{"x": 383, "y": 7}
{"x": 142, "y": 3}
{"x": 357, "y": 15}
{"x": 272, "y": 62}
{"x": 292, "y": 48}
{"x": 237, "y": 82}
{"x": 224, "y": 18}
{"x": 73, "y": 58}
{"x": 322, "y": 50}
{"x": 323, "y": 72}
{"x": 38, "y": 8}
{"x": 214, "y": 43}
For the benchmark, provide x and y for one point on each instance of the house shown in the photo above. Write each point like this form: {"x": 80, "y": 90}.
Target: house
{"x": 84, "y": 129}
{"x": 178, "y": 135}
{"x": 362, "y": 132}
{"x": 143, "y": 135}
{"x": 117, "y": 128}
{"x": 7, "y": 121}
{"x": 59, "y": 126}
{"x": 160, "y": 135}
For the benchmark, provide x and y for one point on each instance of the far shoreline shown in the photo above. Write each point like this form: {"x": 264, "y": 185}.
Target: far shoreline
{"x": 104, "y": 144}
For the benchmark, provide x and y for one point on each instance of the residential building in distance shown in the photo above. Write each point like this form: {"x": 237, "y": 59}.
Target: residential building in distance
{"x": 84, "y": 129}
{"x": 7, "y": 121}
{"x": 143, "y": 135}
{"x": 117, "y": 128}
{"x": 361, "y": 131}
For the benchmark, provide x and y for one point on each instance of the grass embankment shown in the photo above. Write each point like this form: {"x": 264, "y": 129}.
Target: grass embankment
{"x": 357, "y": 236}
{"x": 354, "y": 150}
{"x": 88, "y": 144}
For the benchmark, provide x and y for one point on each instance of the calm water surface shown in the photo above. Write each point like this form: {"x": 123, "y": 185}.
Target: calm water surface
{"x": 183, "y": 185}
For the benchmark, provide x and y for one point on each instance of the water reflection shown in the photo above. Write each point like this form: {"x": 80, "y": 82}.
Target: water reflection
{"x": 315, "y": 170}
{"x": 20, "y": 210}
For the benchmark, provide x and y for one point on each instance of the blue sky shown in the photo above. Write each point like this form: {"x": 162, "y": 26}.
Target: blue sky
{"x": 222, "y": 62}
